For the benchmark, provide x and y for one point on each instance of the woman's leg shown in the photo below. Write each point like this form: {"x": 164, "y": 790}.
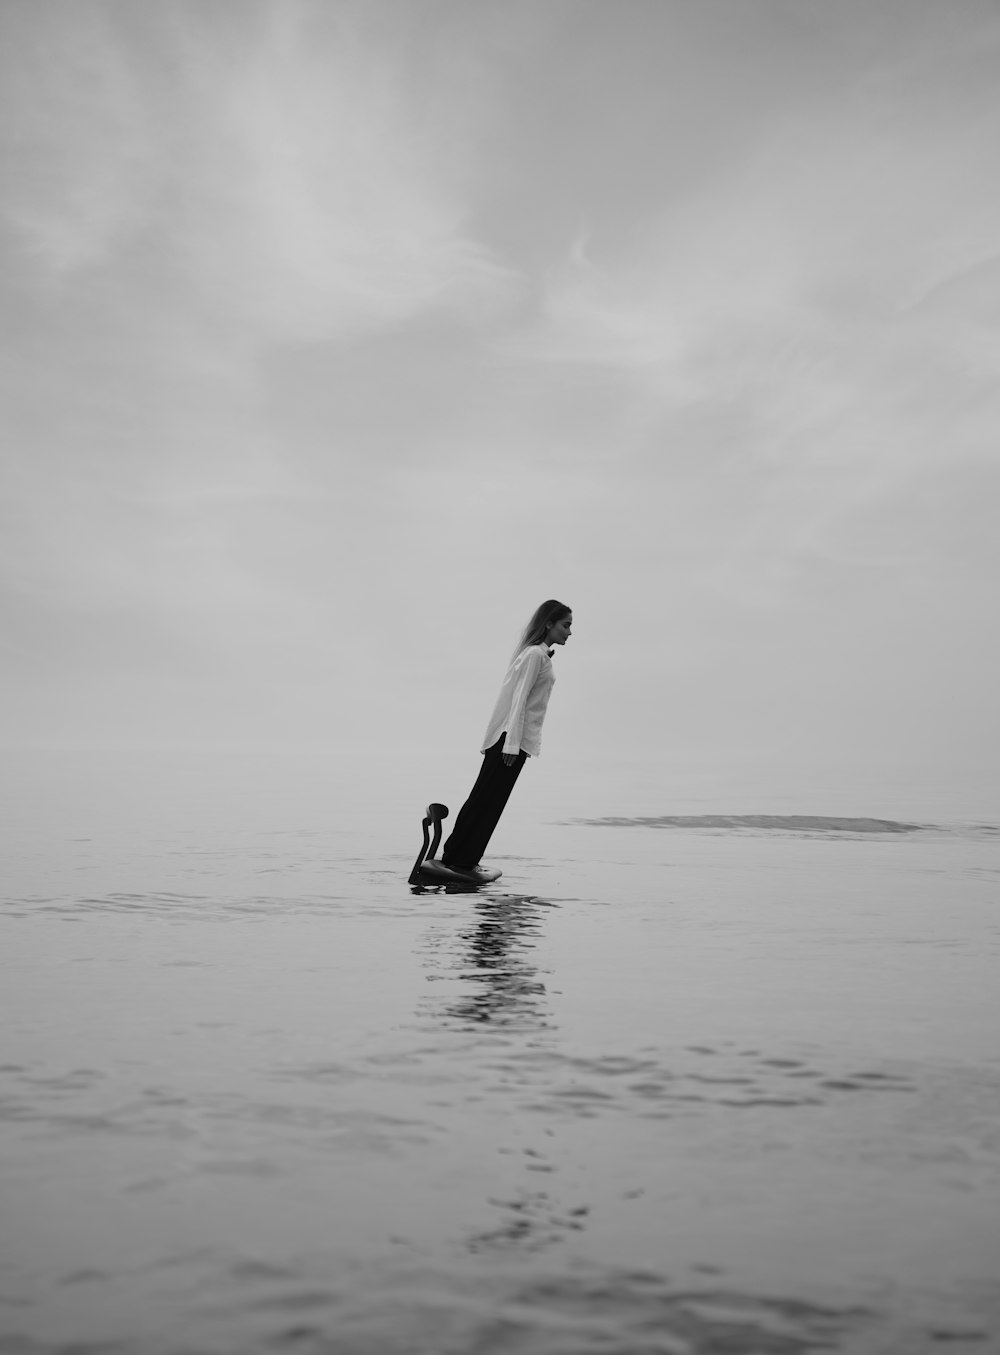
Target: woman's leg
{"x": 481, "y": 812}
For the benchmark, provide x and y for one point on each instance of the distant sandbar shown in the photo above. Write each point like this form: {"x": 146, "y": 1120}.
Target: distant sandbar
{"x": 786, "y": 822}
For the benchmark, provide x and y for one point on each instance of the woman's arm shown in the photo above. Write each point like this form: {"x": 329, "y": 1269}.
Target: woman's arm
{"x": 522, "y": 689}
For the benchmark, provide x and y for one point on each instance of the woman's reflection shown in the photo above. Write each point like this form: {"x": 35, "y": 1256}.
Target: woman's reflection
{"x": 499, "y": 981}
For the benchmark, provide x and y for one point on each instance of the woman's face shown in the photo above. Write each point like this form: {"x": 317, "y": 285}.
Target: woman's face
{"x": 559, "y": 631}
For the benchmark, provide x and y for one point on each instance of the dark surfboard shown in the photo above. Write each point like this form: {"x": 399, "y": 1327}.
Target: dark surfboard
{"x": 427, "y": 870}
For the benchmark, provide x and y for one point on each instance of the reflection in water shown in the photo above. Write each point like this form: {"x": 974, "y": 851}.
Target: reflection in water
{"x": 491, "y": 957}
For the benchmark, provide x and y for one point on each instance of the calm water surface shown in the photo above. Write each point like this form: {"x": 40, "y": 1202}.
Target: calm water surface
{"x": 690, "y": 1087}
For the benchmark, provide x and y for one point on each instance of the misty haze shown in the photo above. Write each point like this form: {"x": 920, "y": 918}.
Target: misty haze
{"x": 337, "y": 335}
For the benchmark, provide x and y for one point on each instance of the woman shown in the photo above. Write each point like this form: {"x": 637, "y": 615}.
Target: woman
{"x": 514, "y": 734}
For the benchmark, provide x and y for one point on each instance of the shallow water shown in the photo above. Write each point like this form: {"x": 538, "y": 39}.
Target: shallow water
{"x": 695, "y": 1087}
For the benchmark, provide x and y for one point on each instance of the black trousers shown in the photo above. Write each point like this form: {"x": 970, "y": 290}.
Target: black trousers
{"x": 481, "y": 812}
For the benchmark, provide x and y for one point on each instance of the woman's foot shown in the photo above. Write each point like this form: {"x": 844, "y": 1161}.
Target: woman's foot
{"x": 482, "y": 873}
{"x": 477, "y": 872}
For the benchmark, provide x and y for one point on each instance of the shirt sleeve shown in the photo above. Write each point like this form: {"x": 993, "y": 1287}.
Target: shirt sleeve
{"x": 519, "y": 699}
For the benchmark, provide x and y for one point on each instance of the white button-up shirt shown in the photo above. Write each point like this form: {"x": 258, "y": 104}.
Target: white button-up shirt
{"x": 521, "y": 705}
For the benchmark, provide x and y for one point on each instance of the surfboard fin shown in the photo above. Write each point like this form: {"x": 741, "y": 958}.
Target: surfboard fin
{"x": 436, "y": 813}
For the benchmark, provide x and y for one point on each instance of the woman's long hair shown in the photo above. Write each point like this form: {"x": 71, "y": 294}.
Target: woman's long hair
{"x": 544, "y": 616}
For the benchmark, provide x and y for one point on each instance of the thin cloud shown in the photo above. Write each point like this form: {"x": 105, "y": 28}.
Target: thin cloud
{"x": 74, "y": 135}
{"x": 277, "y": 170}
{"x": 314, "y": 203}
{"x": 814, "y": 238}
{"x": 815, "y": 306}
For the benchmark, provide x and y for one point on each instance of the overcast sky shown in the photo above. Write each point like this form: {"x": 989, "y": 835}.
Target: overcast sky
{"x": 337, "y": 336}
